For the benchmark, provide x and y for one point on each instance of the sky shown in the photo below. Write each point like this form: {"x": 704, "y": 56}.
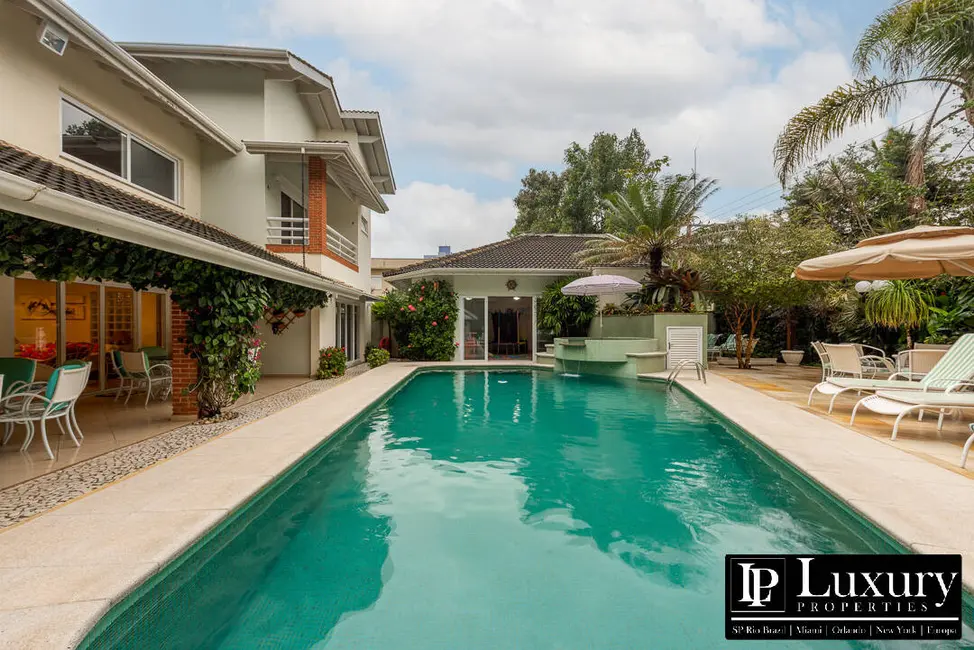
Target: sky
{"x": 474, "y": 93}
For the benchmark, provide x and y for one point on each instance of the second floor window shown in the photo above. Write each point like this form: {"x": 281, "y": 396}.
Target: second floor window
{"x": 91, "y": 139}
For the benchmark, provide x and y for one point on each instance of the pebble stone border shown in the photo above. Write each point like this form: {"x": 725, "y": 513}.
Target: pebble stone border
{"x": 32, "y": 497}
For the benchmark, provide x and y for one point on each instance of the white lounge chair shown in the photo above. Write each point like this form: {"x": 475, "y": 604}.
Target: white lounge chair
{"x": 903, "y": 402}
{"x": 957, "y": 365}
{"x": 823, "y": 357}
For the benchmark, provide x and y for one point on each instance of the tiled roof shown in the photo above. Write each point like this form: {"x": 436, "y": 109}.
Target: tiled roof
{"x": 39, "y": 170}
{"x": 530, "y": 251}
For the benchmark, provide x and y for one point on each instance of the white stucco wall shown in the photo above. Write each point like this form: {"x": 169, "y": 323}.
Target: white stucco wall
{"x": 233, "y": 194}
{"x": 285, "y": 116}
{"x": 287, "y": 353}
{"x": 32, "y": 81}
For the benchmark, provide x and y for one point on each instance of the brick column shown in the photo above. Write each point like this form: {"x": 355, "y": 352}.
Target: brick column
{"x": 185, "y": 370}
{"x": 316, "y": 208}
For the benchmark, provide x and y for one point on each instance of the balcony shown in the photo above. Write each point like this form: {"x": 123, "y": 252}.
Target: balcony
{"x": 341, "y": 245}
{"x": 288, "y": 231}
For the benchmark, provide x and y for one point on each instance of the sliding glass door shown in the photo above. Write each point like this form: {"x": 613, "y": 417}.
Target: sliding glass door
{"x": 474, "y": 335}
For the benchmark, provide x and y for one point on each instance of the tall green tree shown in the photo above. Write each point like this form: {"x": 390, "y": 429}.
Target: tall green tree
{"x": 570, "y": 201}
{"x": 864, "y": 191}
{"x": 647, "y": 219}
{"x": 749, "y": 262}
{"x": 914, "y": 44}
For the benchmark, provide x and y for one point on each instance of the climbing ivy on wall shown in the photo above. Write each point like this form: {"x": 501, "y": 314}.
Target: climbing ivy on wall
{"x": 223, "y": 304}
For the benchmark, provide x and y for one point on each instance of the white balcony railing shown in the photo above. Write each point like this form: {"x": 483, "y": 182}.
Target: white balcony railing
{"x": 287, "y": 231}
{"x": 341, "y": 245}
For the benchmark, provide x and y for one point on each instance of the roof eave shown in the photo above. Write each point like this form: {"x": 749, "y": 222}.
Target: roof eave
{"x": 341, "y": 150}
{"x": 91, "y": 38}
{"x": 446, "y": 270}
{"x": 41, "y": 202}
{"x": 323, "y": 88}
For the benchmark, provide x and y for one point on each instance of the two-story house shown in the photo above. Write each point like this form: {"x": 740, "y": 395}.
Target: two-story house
{"x": 236, "y": 156}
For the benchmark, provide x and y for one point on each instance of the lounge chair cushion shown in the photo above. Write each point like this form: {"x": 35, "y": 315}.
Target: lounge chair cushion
{"x": 926, "y": 397}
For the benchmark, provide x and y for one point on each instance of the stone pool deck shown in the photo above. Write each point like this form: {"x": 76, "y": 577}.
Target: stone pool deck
{"x": 61, "y": 571}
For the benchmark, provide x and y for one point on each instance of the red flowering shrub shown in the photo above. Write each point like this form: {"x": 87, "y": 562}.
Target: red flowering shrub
{"x": 331, "y": 363}
{"x": 414, "y": 315}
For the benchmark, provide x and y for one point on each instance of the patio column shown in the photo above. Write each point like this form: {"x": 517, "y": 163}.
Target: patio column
{"x": 185, "y": 370}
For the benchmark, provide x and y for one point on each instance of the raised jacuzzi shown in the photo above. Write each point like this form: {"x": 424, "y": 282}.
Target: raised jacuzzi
{"x": 618, "y": 357}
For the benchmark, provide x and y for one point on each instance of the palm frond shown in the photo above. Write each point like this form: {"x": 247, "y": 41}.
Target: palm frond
{"x": 817, "y": 125}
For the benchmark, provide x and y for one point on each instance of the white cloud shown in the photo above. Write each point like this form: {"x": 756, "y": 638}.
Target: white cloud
{"x": 423, "y": 216}
{"x": 493, "y": 85}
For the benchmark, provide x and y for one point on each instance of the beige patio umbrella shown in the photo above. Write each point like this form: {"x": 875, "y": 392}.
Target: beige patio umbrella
{"x": 921, "y": 252}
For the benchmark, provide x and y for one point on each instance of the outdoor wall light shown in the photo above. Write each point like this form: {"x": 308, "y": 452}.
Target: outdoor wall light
{"x": 865, "y": 286}
{"x": 53, "y": 38}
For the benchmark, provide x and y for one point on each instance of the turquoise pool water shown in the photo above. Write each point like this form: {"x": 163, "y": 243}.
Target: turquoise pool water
{"x": 499, "y": 510}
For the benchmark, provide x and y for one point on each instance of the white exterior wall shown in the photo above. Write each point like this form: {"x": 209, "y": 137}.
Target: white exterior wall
{"x": 285, "y": 116}
{"x": 287, "y": 353}
{"x": 233, "y": 186}
{"x": 32, "y": 81}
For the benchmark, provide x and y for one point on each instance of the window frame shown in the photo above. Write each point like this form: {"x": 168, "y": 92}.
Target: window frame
{"x": 129, "y": 136}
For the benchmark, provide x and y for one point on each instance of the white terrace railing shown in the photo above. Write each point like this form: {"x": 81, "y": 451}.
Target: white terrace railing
{"x": 287, "y": 230}
{"x": 341, "y": 245}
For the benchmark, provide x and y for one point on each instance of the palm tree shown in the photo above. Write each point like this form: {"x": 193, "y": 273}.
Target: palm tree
{"x": 646, "y": 219}
{"x": 900, "y": 303}
{"x": 927, "y": 43}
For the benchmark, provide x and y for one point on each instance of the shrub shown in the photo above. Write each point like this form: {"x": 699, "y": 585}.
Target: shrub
{"x": 331, "y": 363}
{"x": 565, "y": 315}
{"x": 423, "y": 317}
{"x": 377, "y": 357}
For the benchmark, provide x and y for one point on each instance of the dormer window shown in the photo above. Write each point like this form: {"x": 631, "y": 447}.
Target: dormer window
{"x": 93, "y": 140}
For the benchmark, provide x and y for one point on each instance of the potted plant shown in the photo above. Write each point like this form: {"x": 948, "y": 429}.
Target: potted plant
{"x": 792, "y": 357}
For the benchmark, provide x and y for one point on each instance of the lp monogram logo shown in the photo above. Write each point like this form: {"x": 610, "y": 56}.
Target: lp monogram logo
{"x": 757, "y": 584}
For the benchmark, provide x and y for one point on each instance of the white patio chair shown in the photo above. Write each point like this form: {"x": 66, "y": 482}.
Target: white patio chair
{"x": 915, "y": 364}
{"x": 823, "y": 358}
{"x": 124, "y": 379}
{"x": 151, "y": 377}
{"x": 56, "y": 403}
{"x": 874, "y": 359}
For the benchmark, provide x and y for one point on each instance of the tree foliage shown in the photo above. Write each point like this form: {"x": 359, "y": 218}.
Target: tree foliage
{"x": 565, "y": 315}
{"x": 749, "y": 262}
{"x": 570, "y": 201}
{"x": 646, "y": 220}
{"x": 864, "y": 192}
{"x": 916, "y": 43}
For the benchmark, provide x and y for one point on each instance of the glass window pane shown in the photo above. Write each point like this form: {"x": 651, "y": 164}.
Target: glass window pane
{"x": 86, "y": 137}
{"x": 153, "y": 312}
{"x": 153, "y": 171}
{"x": 35, "y": 320}
{"x": 474, "y": 329}
{"x": 81, "y": 326}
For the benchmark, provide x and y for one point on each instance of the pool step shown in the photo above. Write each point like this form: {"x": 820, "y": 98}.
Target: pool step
{"x": 546, "y": 359}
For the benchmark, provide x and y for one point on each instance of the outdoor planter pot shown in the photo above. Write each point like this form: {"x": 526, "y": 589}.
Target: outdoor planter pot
{"x": 792, "y": 357}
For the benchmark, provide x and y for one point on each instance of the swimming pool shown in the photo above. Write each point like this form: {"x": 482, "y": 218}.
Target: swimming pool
{"x": 495, "y": 510}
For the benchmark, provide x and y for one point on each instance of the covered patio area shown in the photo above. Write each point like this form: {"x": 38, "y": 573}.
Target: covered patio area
{"x": 109, "y": 425}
